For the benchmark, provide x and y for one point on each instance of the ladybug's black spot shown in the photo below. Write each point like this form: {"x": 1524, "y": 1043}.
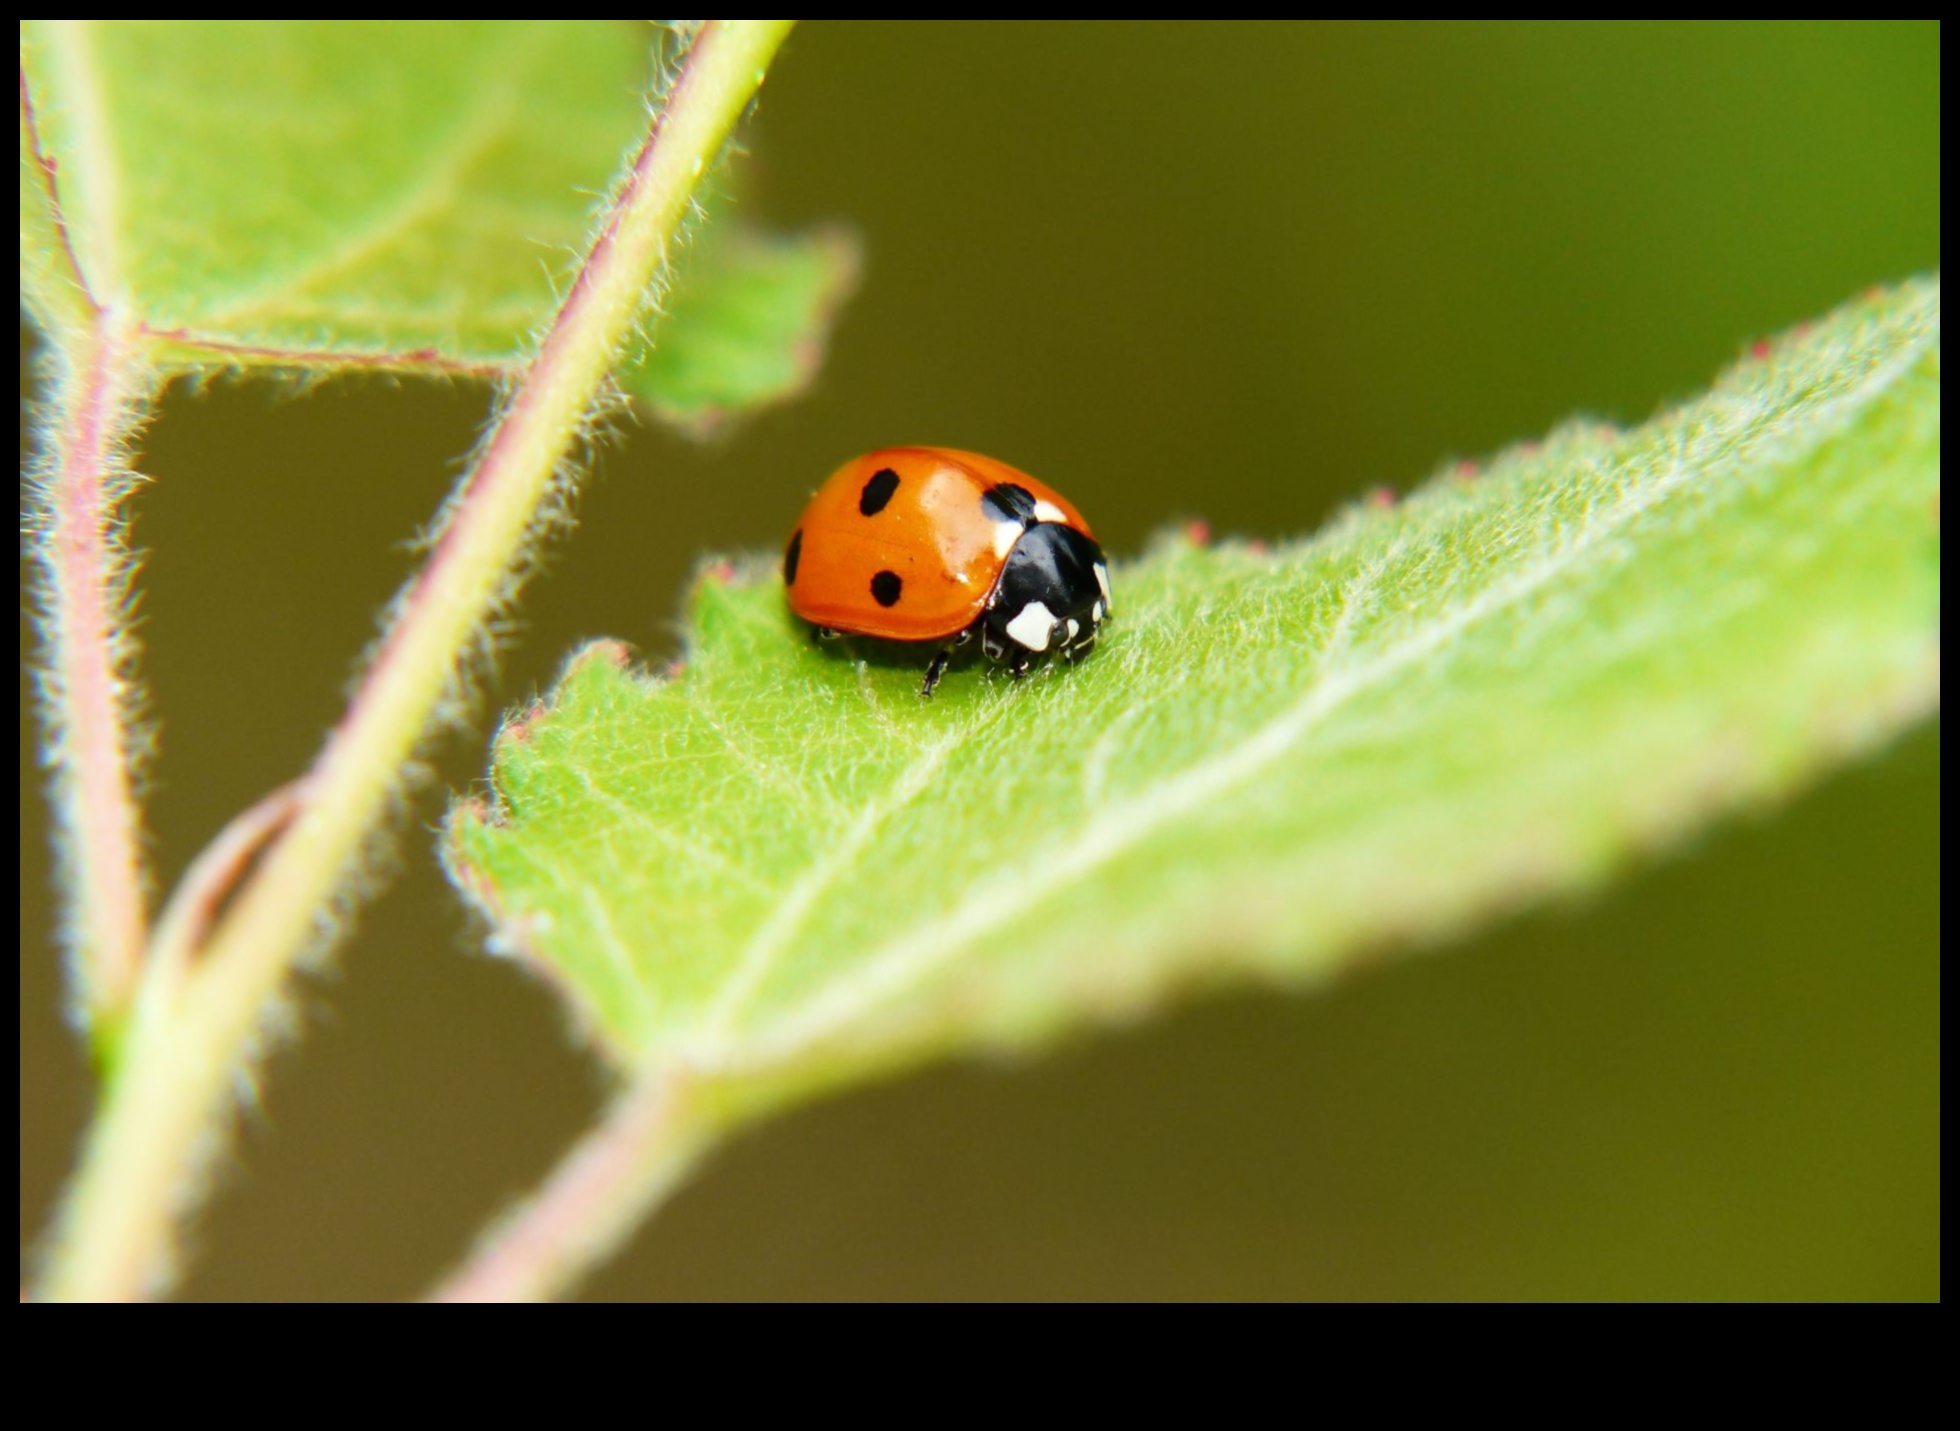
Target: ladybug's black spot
{"x": 1008, "y": 502}
{"x": 885, "y": 587}
{"x": 877, "y": 492}
{"x": 792, "y": 557}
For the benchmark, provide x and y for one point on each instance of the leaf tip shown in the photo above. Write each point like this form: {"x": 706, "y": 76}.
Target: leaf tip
{"x": 1192, "y": 535}
{"x": 607, "y": 651}
{"x": 516, "y": 729}
{"x": 469, "y": 817}
{"x": 469, "y": 813}
{"x": 718, "y": 578}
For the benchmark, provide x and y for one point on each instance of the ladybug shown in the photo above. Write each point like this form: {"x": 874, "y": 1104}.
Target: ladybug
{"x": 933, "y": 544}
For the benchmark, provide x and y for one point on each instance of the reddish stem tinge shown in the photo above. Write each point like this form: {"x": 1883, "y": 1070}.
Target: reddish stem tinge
{"x": 591, "y": 1202}
{"x": 89, "y": 694}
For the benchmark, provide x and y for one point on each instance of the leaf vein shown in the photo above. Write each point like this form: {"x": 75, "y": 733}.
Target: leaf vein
{"x": 486, "y": 122}
{"x": 790, "y": 913}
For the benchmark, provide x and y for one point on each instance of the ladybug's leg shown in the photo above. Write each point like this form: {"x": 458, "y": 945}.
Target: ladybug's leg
{"x": 1017, "y": 665}
{"x": 937, "y": 668}
{"x": 945, "y": 654}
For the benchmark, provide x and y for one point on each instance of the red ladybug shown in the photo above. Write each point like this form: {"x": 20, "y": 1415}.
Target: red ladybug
{"x": 932, "y": 544}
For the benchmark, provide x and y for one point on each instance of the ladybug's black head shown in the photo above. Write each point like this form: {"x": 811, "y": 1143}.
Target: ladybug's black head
{"x": 1053, "y": 595}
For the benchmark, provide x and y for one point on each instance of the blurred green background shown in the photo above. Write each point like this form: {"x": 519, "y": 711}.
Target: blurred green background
{"x": 1237, "y": 272}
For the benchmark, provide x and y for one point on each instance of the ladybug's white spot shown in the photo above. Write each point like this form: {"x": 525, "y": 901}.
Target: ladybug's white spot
{"x": 1005, "y": 535}
{"x": 1102, "y": 580}
{"x": 1032, "y": 626}
{"x": 1073, "y": 629}
{"x": 1099, "y": 613}
{"x": 1048, "y": 512}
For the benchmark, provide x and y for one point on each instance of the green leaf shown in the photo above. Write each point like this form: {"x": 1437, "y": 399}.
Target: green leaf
{"x": 318, "y": 194}
{"x": 746, "y": 325}
{"x": 294, "y": 191}
{"x": 778, "y": 868}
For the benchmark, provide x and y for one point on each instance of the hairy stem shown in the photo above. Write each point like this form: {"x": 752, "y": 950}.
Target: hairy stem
{"x": 99, "y": 390}
{"x": 193, "y": 1036}
{"x": 608, "y": 1182}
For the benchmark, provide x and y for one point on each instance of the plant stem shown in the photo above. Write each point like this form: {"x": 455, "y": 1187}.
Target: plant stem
{"x": 99, "y": 390}
{"x": 597, "y": 1196}
{"x": 166, "y": 1106}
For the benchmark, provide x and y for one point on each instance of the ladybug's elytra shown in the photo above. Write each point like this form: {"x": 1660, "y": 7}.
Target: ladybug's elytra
{"x": 933, "y": 544}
